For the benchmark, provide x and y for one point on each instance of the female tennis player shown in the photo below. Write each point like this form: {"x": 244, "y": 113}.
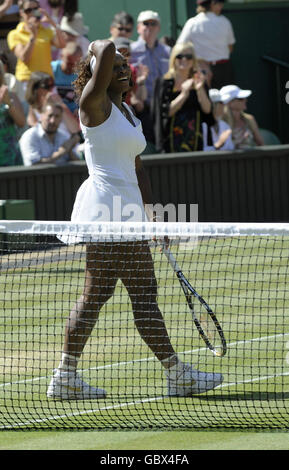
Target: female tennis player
{"x": 113, "y": 143}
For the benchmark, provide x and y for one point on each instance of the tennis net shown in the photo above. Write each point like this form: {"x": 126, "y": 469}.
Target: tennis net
{"x": 52, "y": 271}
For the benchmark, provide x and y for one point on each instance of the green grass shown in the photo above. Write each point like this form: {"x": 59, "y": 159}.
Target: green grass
{"x": 244, "y": 280}
{"x": 161, "y": 440}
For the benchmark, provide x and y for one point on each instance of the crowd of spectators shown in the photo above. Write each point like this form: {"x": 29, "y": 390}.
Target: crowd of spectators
{"x": 183, "y": 91}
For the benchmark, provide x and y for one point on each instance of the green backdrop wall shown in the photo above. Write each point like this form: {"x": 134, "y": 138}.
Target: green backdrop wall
{"x": 98, "y": 14}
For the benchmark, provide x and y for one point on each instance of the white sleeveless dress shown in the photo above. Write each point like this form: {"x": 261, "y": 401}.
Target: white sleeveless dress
{"x": 111, "y": 192}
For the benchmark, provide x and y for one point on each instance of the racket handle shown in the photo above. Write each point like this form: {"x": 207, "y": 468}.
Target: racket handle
{"x": 171, "y": 259}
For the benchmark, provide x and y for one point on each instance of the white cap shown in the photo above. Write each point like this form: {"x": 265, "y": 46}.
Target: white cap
{"x": 231, "y": 92}
{"x": 215, "y": 95}
{"x": 148, "y": 15}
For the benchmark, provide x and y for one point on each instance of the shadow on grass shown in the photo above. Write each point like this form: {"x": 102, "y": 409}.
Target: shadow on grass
{"x": 247, "y": 396}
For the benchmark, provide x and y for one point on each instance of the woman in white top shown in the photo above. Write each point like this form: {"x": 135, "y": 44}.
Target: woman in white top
{"x": 113, "y": 138}
{"x": 245, "y": 129}
{"x": 221, "y": 132}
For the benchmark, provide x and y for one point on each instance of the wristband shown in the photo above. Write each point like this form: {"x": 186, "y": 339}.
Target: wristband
{"x": 92, "y": 64}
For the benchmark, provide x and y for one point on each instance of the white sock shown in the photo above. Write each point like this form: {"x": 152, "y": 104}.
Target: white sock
{"x": 68, "y": 363}
{"x": 172, "y": 363}
{"x": 174, "y": 371}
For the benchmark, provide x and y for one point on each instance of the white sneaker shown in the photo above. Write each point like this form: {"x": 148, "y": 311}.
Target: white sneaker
{"x": 69, "y": 386}
{"x": 187, "y": 381}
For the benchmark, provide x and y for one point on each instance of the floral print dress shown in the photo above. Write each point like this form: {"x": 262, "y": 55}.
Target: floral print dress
{"x": 9, "y": 148}
{"x": 181, "y": 132}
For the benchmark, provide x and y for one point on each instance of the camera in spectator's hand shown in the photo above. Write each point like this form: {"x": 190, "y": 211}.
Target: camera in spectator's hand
{"x": 37, "y": 14}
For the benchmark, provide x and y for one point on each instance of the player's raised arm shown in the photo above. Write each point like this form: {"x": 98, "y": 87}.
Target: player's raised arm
{"x": 94, "y": 102}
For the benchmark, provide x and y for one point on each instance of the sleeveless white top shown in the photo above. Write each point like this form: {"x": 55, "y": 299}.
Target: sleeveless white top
{"x": 111, "y": 193}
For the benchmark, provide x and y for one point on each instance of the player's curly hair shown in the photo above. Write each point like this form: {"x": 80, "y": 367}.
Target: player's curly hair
{"x": 83, "y": 76}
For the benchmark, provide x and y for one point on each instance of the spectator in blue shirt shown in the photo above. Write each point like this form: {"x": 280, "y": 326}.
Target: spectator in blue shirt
{"x": 147, "y": 50}
{"x": 45, "y": 142}
{"x": 64, "y": 74}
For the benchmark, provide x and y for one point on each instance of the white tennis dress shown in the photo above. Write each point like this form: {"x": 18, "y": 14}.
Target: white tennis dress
{"x": 111, "y": 192}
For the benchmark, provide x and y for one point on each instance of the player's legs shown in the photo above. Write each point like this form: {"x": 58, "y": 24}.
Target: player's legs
{"x": 100, "y": 282}
{"x": 139, "y": 278}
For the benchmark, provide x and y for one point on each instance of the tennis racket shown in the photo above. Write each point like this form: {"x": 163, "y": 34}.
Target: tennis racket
{"x": 204, "y": 318}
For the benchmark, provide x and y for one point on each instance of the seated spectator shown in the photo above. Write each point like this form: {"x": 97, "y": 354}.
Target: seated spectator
{"x": 31, "y": 42}
{"x": 11, "y": 117}
{"x": 147, "y": 50}
{"x": 73, "y": 29}
{"x": 137, "y": 95}
{"x": 181, "y": 104}
{"x": 213, "y": 38}
{"x": 221, "y": 132}
{"x": 121, "y": 26}
{"x": 245, "y": 130}
{"x": 64, "y": 74}
{"x": 40, "y": 91}
{"x": 45, "y": 142}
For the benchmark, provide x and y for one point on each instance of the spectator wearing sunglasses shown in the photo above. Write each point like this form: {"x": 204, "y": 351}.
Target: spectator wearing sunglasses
{"x": 213, "y": 38}
{"x": 149, "y": 51}
{"x": 181, "y": 104}
{"x": 121, "y": 26}
{"x": 31, "y": 42}
{"x": 41, "y": 91}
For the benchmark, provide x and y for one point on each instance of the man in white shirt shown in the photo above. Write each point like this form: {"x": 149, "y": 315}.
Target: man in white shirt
{"x": 213, "y": 38}
{"x": 45, "y": 143}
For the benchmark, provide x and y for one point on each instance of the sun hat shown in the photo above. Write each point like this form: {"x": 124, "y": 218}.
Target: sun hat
{"x": 231, "y": 92}
{"x": 148, "y": 15}
{"x": 75, "y": 26}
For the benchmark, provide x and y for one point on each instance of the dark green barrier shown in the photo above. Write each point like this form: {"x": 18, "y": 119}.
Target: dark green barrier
{"x": 244, "y": 186}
